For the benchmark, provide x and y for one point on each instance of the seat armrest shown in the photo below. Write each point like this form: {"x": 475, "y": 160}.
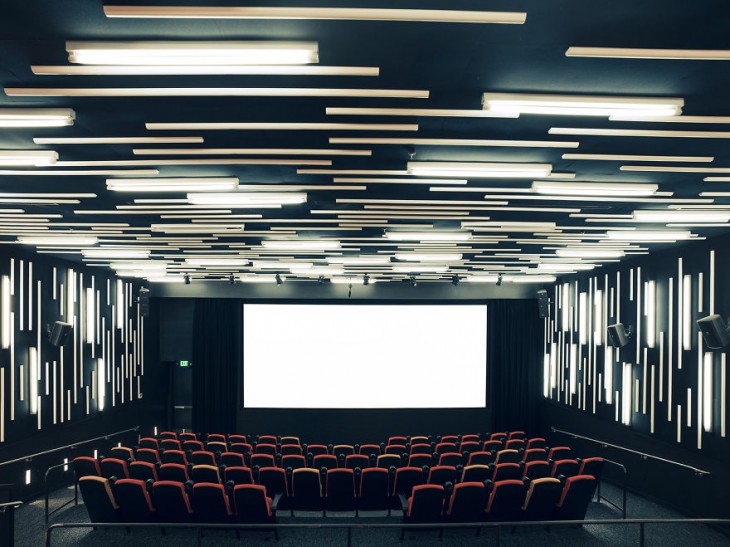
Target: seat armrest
{"x": 275, "y": 503}
{"x": 403, "y": 502}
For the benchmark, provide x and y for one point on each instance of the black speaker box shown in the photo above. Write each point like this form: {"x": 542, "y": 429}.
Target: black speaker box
{"x": 543, "y": 304}
{"x": 59, "y": 333}
{"x": 144, "y": 302}
{"x": 714, "y": 331}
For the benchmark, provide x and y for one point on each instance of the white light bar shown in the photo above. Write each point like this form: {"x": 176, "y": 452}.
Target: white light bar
{"x": 192, "y": 53}
{"x": 69, "y": 240}
{"x": 300, "y": 245}
{"x": 213, "y": 92}
{"x": 36, "y": 117}
{"x": 481, "y": 279}
{"x": 432, "y": 257}
{"x": 204, "y": 70}
{"x": 648, "y": 235}
{"x": 420, "y": 268}
{"x": 316, "y": 271}
{"x": 337, "y": 14}
{"x": 642, "y": 53}
{"x": 581, "y": 105}
{"x": 35, "y": 158}
{"x": 560, "y": 267}
{"x": 217, "y": 184}
{"x": 115, "y": 253}
{"x": 478, "y": 169}
{"x": 275, "y": 265}
{"x": 142, "y": 265}
{"x": 659, "y": 216}
{"x": 279, "y": 126}
{"x": 351, "y": 280}
{"x": 250, "y": 151}
{"x": 118, "y": 140}
{"x": 364, "y": 260}
{"x": 428, "y": 236}
{"x": 628, "y": 157}
{"x": 529, "y": 278}
{"x": 197, "y": 228}
{"x": 589, "y": 253}
{"x": 203, "y": 261}
{"x": 259, "y": 278}
{"x": 593, "y": 188}
{"x": 437, "y": 112}
{"x": 248, "y": 198}
{"x": 165, "y": 279}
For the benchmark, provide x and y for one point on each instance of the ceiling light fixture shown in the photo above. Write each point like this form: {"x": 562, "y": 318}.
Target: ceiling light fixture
{"x": 455, "y": 142}
{"x": 434, "y": 257}
{"x": 648, "y": 235}
{"x": 644, "y": 53}
{"x": 478, "y": 169}
{"x": 693, "y": 215}
{"x": 428, "y": 236}
{"x": 277, "y": 126}
{"x": 63, "y": 240}
{"x": 581, "y": 105}
{"x": 258, "y": 199}
{"x": 36, "y": 117}
{"x": 300, "y": 245}
{"x": 594, "y": 189}
{"x": 218, "y": 184}
{"x": 589, "y": 253}
{"x": 31, "y": 158}
{"x": 638, "y": 133}
{"x": 624, "y": 157}
{"x": 213, "y": 92}
{"x": 204, "y": 70}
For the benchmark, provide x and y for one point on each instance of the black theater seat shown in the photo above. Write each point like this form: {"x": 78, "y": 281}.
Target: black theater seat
{"x": 134, "y": 501}
{"x": 98, "y": 498}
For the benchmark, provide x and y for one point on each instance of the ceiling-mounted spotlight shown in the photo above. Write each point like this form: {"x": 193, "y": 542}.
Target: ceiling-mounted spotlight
{"x": 366, "y": 279}
{"x": 320, "y": 280}
{"x": 413, "y": 281}
{"x": 231, "y": 280}
{"x": 278, "y": 279}
{"x": 455, "y": 280}
{"x": 500, "y": 279}
{"x": 186, "y": 277}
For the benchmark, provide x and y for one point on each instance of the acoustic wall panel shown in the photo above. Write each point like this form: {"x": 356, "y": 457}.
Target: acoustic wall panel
{"x": 664, "y": 382}
{"x": 41, "y": 385}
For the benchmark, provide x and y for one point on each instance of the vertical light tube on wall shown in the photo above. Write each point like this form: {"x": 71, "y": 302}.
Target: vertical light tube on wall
{"x": 583, "y": 318}
{"x": 119, "y": 304}
{"x": 598, "y": 320}
{"x": 686, "y": 312}
{"x": 573, "y": 368}
{"x": 650, "y": 312}
{"x": 707, "y": 399}
{"x": 90, "y": 315}
{"x": 608, "y": 374}
{"x": 546, "y": 376}
{"x": 565, "y": 307}
{"x": 6, "y": 323}
{"x": 553, "y": 366}
{"x": 626, "y": 389}
{"x": 101, "y": 379}
{"x": 33, "y": 380}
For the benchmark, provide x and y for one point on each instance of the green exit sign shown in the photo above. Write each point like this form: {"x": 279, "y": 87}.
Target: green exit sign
{"x": 184, "y": 363}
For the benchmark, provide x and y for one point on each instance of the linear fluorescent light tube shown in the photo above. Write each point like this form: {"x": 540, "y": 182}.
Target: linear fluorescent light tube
{"x": 248, "y": 198}
{"x": 118, "y": 140}
{"x": 259, "y": 278}
{"x": 581, "y": 105}
{"x": 191, "y": 184}
{"x": 192, "y": 53}
{"x": 165, "y": 279}
{"x": 648, "y": 235}
{"x": 213, "y": 92}
{"x": 529, "y": 278}
{"x": 646, "y": 53}
{"x": 146, "y": 265}
{"x": 559, "y": 267}
{"x": 58, "y": 240}
{"x": 628, "y": 157}
{"x": 478, "y": 169}
{"x": 115, "y": 253}
{"x": 428, "y": 236}
{"x": 36, "y": 117}
{"x": 438, "y": 112}
{"x": 420, "y": 268}
{"x": 365, "y": 260}
{"x": 338, "y": 14}
{"x": 434, "y": 257}
{"x": 680, "y": 216}
{"x": 274, "y": 265}
{"x": 300, "y": 245}
{"x": 35, "y": 158}
{"x": 316, "y": 271}
{"x": 197, "y": 228}
{"x": 481, "y": 279}
{"x": 589, "y": 253}
{"x": 216, "y": 261}
{"x": 593, "y": 189}
{"x": 205, "y": 70}
{"x": 351, "y": 280}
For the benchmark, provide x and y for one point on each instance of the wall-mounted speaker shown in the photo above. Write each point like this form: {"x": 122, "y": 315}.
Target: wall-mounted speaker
{"x": 543, "y": 304}
{"x": 715, "y": 332}
{"x": 618, "y": 336}
{"x": 144, "y": 302}
{"x": 59, "y": 333}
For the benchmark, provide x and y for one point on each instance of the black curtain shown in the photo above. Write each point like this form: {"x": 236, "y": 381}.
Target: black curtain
{"x": 217, "y": 361}
{"x": 514, "y": 344}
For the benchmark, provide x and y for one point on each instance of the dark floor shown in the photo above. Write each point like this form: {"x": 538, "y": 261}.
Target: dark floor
{"x": 30, "y": 531}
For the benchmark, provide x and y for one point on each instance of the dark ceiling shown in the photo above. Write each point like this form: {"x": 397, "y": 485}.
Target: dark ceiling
{"x": 455, "y": 62}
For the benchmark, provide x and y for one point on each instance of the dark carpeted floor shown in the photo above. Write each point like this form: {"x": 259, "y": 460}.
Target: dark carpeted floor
{"x": 30, "y": 529}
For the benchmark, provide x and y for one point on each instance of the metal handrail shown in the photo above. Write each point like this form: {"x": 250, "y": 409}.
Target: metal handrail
{"x": 68, "y": 446}
{"x": 75, "y": 499}
{"x": 623, "y": 469}
{"x": 10, "y": 505}
{"x": 642, "y": 455}
{"x": 199, "y": 527}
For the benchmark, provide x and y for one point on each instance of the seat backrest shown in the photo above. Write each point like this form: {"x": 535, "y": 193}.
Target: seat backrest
{"x": 476, "y": 473}
{"x": 397, "y": 449}
{"x": 149, "y": 455}
{"x": 397, "y": 439}
{"x": 343, "y": 450}
{"x": 420, "y": 439}
{"x": 202, "y": 457}
{"x": 451, "y": 458}
{"x": 306, "y": 489}
{"x": 442, "y": 448}
{"x": 98, "y": 498}
{"x": 165, "y": 435}
{"x": 251, "y": 503}
{"x": 134, "y": 502}
{"x": 533, "y": 454}
{"x": 327, "y": 461}
{"x": 470, "y": 438}
{"x": 374, "y": 483}
{"x": 567, "y": 468}
{"x": 467, "y": 501}
{"x": 542, "y": 497}
{"x": 469, "y": 447}
{"x": 498, "y": 437}
{"x": 421, "y": 448}
{"x": 232, "y": 459}
{"x": 265, "y": 448}
{"x": 451, "y": 439}
{"x": 507, "y": 456}
{"x": 238, "y": 474}
{"x": 267, "y": 439}
{"x": 113, "y": 467}
{"x": 291, "y": 450}
{"x": 187, "y": 436}
{"x": 340, "y": 489}
{"x": 406, "y": 478}
{"x": 507, "y": 471}
{"x": 192, "y": 445}
{"x": 241, "y": 448}
{"x": 237, "y": 439}
{"x": 559, "y": 453}
{"x": 173, "y": 472}
{"x": 370, "y": 450}
{"x": 274, "y": 480}
{"x": 174, "y": 456}
{"x": 263, "y": 460}
{"x": 149, "y": 442}
{"x": 142, "y": 471}
{"x": 317, "y": 449}
{"x": 121, "y": 453}
{"x": 210, "y": 502}
{"x": 171, "y": 502}
{"x": 293, "y": 461}
{"x": 206, "y": 474}
{"x": 515, "y": 444}
{"x": 353, "y": 461}
{"x": 216, "y": 446}
{"x": 386, "y": 461}
{"x": 516, "y": 435}
{"x": 215, "y": 438}
{"x": 170, "y": 444}
{"x": 84, "y": 466}
{"x": 492, "y": 446}
{"x": 441, "y": 474}
{"x": 481, "y": 458}
{"x": 426, "y": 503}
{"x": 419, "y": 460}
{"x": 577, "y": 494}
{"x": 536, "y": 470}
{"x": 506, "y": 500}
{"x": 290, "y": 441}
{"x": 592, "y": 467}
{"x": 536, "y": 442}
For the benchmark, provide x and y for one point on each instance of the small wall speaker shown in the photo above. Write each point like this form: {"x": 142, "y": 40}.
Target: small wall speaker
{"x": 144, "y": 302}
{"x": 543, "y": 304}
{"x": 59, "y": 333}
{"x": 618, "y": 336}
{"x": 715, "y": 332}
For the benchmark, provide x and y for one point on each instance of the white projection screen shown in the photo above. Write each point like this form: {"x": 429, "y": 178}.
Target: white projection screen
{"x": 364, "y": 356}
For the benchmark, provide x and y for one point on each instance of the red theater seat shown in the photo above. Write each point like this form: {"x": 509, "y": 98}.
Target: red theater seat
{"x": 210, "y": 503}
{"x": 252, "y": 504}
{"x": 171, "y": 502}
{"x": 542, "y": 497}
{"x": 506, "y": 500}
{"x": 143, "y": 471}
{"x": 84, "y": 466}
{"x": 467, "y": 502}
{"x": 373, "y": 493}
{"x": 340, "y": 490}
{"x": 134, "y": 502}
{"x": 98, "y": 498}
{"x": 113, "y": 467}
{"x": 173, "y": 472}
{"x": 577, "y": 494}
{"x": 441, "y": 474}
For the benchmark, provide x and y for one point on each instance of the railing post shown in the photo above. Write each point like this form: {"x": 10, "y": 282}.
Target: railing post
{"x": 349, "y": 536}
{"x": 48, "y": 536}
{"x": 641, "y": 534}
{"x": 499, "y": 535}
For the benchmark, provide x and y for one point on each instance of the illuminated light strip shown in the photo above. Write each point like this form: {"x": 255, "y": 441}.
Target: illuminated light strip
{"x": 723, "y": 392}
{"x": 638, "y": 133}
{"x": 347, "y": 14}
{"x": 671, "y": 169}
{"x": 6, "y": 312}
{"x": 250, "y": 151}
{"x": 36, "y": 117}
{"x": 670, "y": 347}
{"x": 651, "y": 407}
{"x": 707, "y": 377}
{"x": 679, "y": 423}
{"x": 117, "y": 140}
{"x": 670, "y": 119}
{"x": 195, "y": 161}
{"x": 650, "y": 312}
{"x": 194, "y": 70}
{"x": 623, "y": 157}
{"x": 712, "y": 282}
{"x": 645, "y": 53}
{"x": 401, "y": 181}
{"x": 273, "y": 126}
{"x": 686, "y": 312}
{"x": 455, "y": 142}
{"x": 212, "y": 92}
{"x": 80, "y": 173}
{"x": 626, "y": 394}
{"x": 437, "y": 112}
